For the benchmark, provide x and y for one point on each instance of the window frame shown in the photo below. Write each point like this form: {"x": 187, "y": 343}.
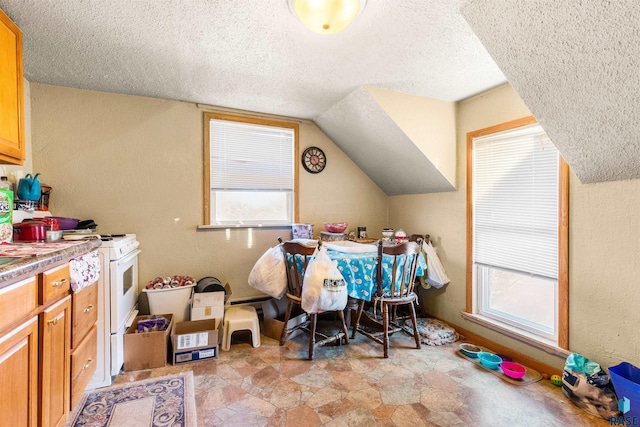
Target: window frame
{"x": 207, "y": 117}
{"x": 563, "y": 246}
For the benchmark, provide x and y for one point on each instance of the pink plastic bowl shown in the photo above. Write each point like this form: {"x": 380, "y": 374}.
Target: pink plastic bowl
{"x": 513, "y": 370}
{"x": 336, "y": 227}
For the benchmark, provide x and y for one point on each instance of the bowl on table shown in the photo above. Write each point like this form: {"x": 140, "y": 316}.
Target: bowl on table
{"x": 470, "y": 350}
{"x": 513, "y": 370}
{"x": 490, "y": 360}
{"x": 335, "y": 227}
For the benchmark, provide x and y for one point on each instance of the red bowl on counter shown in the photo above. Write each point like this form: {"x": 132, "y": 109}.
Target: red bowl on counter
{"x": 66, "y": 223}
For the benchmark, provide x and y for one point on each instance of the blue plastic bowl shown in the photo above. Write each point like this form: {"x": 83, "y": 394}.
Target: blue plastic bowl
{"x": 490, "y": 360}
{"x": 470, "y": 350}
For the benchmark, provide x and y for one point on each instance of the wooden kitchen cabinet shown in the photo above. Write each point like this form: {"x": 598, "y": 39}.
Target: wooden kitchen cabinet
{"x": 12, "y": 143}
{"x": 17, "y": 301}
{"x": 54, "y": 283}
{"x": 19, "y": 373}
{"x": 39, "y": 319}
{"x": 84, "y": 339}
{"x": 55, "y": 331}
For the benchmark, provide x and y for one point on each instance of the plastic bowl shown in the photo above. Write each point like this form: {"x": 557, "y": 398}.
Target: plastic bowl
{"x": 66, "y": 223}
{"x": 470, "y": 350}
{"x": 489, "y": 360}
{"x": 513, "y": 370}
{"x": 336, "y": 227}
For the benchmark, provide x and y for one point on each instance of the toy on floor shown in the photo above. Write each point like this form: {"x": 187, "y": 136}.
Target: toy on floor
{"x": 556, "y": 380}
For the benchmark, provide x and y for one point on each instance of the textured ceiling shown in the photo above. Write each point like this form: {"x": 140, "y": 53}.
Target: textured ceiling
{"x": 251, "y": 54}
{"x": 576, "y": 65}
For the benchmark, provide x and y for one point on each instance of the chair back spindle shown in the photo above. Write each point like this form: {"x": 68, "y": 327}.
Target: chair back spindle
{"x": 404, "y": 265}
{"x": 297, "y": 258}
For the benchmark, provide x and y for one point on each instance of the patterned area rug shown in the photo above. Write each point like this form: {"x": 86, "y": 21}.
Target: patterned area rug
{"x": 155, "y": 402}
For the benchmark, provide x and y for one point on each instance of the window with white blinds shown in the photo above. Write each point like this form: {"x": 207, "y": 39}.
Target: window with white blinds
{"x": 251, "y": 179}
{"x": 515, "y": 240}
{"x": 515, "y": 201}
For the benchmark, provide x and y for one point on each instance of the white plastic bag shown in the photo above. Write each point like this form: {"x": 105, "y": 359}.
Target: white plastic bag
{"x": 436, "y": 275}
{"x": 323, "y": 287}
{"x": 269, "y": 274}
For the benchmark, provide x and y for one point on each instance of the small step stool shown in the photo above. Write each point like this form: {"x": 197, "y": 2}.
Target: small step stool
{"x": 239, "y": 319}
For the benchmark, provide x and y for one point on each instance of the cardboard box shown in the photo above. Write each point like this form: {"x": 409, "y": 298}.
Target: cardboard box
{"x": 195, "y": 340}
{"x": 210, "y": 305}
{"x": 148, "y": 349}
{"x": 273, "y": 312}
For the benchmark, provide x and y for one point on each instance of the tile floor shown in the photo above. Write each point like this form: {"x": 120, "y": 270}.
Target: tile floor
{"x": 352, "y": 385}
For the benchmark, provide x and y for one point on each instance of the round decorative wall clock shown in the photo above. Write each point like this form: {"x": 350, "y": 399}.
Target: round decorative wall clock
{"x": 314, "y": 160}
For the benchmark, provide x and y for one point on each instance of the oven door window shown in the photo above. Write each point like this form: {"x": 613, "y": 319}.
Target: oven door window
{"x": 127, "y": 280}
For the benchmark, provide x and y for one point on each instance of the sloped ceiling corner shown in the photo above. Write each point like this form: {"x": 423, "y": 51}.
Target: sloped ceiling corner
{"x": 360, "y": 126}
{"x": 575, "y": 65}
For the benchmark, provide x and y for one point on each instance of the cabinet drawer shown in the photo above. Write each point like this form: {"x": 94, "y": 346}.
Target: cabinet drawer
{"x": 83, "y": 364}
{"x": 54, "y": 283}
{"x": 17, "y": 301}
{"x": 84, "y": 307}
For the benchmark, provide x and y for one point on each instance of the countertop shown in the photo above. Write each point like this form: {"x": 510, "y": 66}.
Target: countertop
{"x": 13, "y": 270}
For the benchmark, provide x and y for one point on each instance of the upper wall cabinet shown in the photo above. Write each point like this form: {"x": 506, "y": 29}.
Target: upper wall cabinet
{"x": 11, "y": 93}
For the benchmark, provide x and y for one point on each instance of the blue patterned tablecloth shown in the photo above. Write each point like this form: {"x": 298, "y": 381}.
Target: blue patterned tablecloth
{"x": 359, "y": 272}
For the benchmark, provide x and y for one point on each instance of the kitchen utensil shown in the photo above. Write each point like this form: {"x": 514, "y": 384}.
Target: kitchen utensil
{"x": 66, "y": 223}
{"x": 43, "y": 202}
{"x": 31, "y": 231}
{"x": 53, "y": 236}
{"x": 52, "y": 223}
{"x": 29, "y": 188}
{"x": 86, "y": 224}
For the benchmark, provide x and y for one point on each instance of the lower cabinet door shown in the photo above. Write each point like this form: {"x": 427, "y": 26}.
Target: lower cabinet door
{"x": 83, "y": 364}
{"x": 55, "y": 377}
{"x": 19, "y": 374}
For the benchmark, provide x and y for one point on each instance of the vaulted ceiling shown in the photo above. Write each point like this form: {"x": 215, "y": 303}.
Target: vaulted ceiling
{"x": 576, "y": 66}
{"x": 572, "y": 62}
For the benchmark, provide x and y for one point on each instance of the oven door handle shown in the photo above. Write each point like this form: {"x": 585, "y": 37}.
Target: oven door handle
{"x": 128, "y": 257}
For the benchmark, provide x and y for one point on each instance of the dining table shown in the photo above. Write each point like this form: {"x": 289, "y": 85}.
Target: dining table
{"x": 357, "y": 262}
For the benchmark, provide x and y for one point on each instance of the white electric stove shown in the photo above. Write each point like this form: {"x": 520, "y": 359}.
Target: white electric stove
{"x": 117, "y": 303}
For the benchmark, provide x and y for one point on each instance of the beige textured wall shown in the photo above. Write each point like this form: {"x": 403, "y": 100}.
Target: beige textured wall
{"x": 135, "y": 164}
{"x": 604, "y": 248}
{"x": 430, "y": 123}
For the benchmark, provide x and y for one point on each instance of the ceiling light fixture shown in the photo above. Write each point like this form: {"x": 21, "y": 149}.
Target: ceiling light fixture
{"x": 326, "y": 16}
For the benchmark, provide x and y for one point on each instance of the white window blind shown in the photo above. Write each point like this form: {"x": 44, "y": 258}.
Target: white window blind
{"x": 515, "y": 205}
{"x": 251, "y": 157}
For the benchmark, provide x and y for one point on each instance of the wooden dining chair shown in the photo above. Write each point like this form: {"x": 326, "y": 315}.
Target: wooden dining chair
{"x": 402, "y": 260}
{"x": 420, "y": 239}
{"x": 297, "y": 258}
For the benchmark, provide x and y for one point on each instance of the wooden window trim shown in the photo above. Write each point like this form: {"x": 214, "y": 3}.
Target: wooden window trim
{"x": 563, "y": 229}
{"x": 207, "y": 116}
